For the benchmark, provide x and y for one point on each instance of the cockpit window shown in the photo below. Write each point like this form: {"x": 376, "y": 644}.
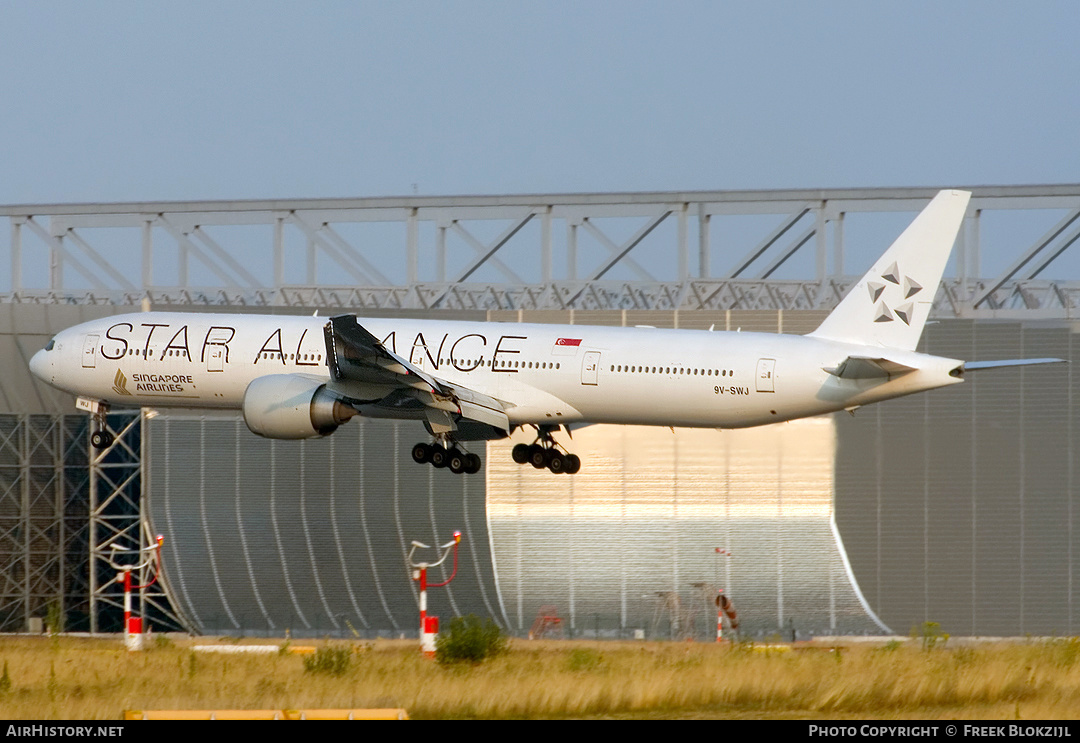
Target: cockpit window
{"x": 52, "y": 342}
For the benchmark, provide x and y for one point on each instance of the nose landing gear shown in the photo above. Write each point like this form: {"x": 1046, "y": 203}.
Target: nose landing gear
{"x": 100, "y": 437}
{"x": 545, "y": 452}
{"x": 444, "y": 453}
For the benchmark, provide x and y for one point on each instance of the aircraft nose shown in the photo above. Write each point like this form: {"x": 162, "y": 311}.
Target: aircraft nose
{"x": 39, "y": 365}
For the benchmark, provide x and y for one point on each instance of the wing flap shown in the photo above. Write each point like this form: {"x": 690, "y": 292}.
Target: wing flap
{"x": 481, "y": 414}
{"x": 355, "y": 355}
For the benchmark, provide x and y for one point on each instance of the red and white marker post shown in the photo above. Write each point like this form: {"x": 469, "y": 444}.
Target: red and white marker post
{"x": 722, "y": 604}
{"x": 719, "y": 617}
{"x": 429, "y": 626}
{"x": 133, "y": 625}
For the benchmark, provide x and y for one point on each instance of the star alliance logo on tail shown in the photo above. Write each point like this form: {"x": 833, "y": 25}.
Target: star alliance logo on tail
{"x": 882, "y": 312}
{"x": 120, "y": 383}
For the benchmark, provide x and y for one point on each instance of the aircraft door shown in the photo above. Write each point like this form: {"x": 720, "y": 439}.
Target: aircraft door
{"x": 216, "y": 349}
{"x": 590, "y": 365}
{"x": 765, "y": 374}
{"x": 89, "y": 352}
{"x": 416, "y": 358}
{"x": 215, "y": 358}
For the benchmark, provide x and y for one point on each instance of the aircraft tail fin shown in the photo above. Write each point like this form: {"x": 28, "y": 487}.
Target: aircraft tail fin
{"x": 888, "y": 306}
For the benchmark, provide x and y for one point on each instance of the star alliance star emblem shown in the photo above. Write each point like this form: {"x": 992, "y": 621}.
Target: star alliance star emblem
{"x": 906, "y": 285}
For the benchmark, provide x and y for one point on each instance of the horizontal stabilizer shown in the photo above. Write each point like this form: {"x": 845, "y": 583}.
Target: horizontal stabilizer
{"x": 867, "y": 367}
{"x": 976, "y": 365}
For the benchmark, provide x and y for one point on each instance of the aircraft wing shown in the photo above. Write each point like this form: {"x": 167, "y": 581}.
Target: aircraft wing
{"x": 355, "y": 354}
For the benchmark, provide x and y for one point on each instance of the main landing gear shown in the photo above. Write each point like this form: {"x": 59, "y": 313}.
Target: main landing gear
{"x": 544, "y": 452}
{"x": 445, "y": 453}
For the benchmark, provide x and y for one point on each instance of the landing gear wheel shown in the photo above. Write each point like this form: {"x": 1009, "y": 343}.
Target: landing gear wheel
{"x": 472, "y": 464}
{"x": 556, "y": 462}
{"x": 421, "y": 453}
{"x": 439, "y": 456}
{"x": 101, "y": 439}
{"x": 538, "y": 456}
{"x": 545, "y": 453}
{"x": 457, "y": 461}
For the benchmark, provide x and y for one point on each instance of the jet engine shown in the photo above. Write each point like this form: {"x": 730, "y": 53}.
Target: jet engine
{"x": 291, "y": 406}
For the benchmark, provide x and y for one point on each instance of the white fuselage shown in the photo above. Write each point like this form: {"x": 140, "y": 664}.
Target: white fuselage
{"x": 549, "y": 374}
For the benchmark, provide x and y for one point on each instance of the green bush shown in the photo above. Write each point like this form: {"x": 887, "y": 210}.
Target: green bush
{"x": 470, "y": 640}
{"x": 931, "y": 635}
{"x": 329, "y": 659}
{"x": 1067, "y": 651}
{"x": 54, "y": 618}
{"x": 584, "y": 659}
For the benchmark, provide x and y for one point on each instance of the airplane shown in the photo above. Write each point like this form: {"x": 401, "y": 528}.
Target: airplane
{"x": 298, "y": 377}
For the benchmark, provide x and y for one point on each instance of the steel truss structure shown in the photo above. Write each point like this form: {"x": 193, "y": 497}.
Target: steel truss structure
{"x": 62, "y": 507}
{"x": 44, "y": 525}
{"x": 119, "y": 528}
{"x": 275, "y": 253}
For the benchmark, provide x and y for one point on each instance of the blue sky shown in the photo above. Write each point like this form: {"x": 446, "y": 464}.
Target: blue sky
{"x": 112, "y": 101}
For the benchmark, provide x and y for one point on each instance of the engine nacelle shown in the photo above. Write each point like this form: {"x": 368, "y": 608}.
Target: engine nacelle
{"x": 290, "y": 406}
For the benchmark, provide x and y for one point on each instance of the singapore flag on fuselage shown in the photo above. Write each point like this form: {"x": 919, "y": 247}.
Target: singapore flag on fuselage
{"x": 566, "y": 347}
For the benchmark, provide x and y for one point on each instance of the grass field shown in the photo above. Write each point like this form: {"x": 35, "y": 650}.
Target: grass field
{"x": 75, "y": 678}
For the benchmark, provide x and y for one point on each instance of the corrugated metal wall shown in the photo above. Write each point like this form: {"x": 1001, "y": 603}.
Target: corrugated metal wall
{"x": 958, "y": 506}
{"x": 630, "y": 542}
{"x": 310, "y": 536}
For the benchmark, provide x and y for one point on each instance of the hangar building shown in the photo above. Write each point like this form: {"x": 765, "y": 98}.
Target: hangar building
{"x": 953, "y": 506}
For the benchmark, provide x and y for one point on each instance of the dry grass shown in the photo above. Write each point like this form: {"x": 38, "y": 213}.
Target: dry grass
{"x": 70, "y": 678}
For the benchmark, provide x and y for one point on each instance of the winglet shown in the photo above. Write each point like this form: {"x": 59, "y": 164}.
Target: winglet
{"x": 888, "y": 307}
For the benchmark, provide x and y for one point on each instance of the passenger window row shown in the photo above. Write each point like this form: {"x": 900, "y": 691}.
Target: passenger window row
{"x": 507, "y": 364}
{"x": 290, "y": 356}
{"x": 619, "y": 368}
